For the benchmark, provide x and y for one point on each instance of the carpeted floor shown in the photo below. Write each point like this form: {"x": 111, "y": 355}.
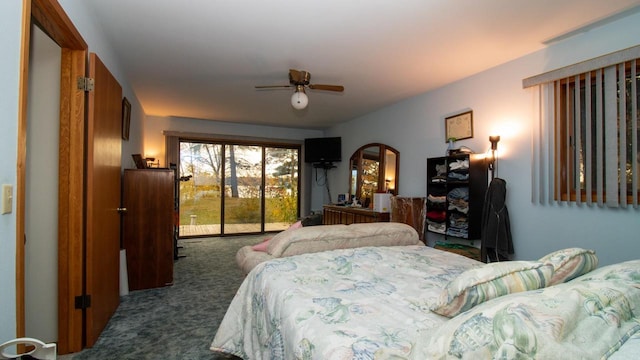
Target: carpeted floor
{"x": 179, "y": 321}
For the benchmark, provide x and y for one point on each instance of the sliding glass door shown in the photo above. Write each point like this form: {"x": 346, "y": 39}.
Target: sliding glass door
{"x": 200, "y": 189}
{"x": 243, "y": 189}
{"x": 281, "y": 188}
{"x": 235, "y": 188}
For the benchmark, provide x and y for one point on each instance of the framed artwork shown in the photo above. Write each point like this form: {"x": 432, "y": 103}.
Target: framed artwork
{"x": 458, "y": 127}
{"x": 140, "y": 162}
{"x": 126, "y": 118}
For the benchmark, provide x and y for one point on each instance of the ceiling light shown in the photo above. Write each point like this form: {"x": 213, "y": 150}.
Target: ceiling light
{"x": 299, "y": 99}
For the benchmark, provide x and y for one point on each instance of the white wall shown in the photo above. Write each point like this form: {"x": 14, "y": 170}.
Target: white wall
{"x": 154, "y": 144}
{"x": 10, "y": 33}
{"x": 41, "y": 208}
{"x": 502, "y": 107}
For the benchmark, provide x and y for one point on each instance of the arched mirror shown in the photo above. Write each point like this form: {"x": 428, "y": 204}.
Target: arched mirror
{"x": 374, "y": 169}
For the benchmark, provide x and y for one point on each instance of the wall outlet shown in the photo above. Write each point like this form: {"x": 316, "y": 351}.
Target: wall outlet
{"x": 7, "y": 199}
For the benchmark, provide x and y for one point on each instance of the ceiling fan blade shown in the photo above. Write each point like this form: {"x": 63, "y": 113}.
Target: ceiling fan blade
{"x": 272, "y": 86}
{"x": 326, "y": 87}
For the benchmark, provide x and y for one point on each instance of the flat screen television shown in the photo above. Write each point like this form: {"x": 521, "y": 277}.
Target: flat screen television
{"x": 323, "y": 150}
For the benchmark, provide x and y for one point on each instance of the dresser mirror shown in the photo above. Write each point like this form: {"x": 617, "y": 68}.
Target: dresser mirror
{"x": 374, "y": 169}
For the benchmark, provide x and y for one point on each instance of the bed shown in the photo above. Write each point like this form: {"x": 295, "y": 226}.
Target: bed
{"x": 416, "y": 302}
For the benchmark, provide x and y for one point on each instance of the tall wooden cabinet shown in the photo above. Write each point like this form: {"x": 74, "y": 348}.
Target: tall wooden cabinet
{"x": 148, "y": 196}
{"x": 456, "y": 187}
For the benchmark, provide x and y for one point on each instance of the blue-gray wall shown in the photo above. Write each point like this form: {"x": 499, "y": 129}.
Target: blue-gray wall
{"x": 502, "y": 107}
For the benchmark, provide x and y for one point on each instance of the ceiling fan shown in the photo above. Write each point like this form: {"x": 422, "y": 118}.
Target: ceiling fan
{"x": 300, "y": 79}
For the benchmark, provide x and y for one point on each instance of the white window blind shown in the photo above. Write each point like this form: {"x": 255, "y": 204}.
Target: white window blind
{"x": 585, "y": 139}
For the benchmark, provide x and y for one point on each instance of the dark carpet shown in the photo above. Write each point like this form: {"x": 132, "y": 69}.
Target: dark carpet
{"x": 179, "y": 321}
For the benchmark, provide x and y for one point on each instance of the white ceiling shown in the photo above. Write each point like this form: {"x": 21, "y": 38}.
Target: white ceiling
{"x": 202, "y": 58}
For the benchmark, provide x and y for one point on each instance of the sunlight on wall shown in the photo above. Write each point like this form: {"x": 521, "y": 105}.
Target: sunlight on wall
{"x": 510, "y": 129}
{"x": 153, "y": 146}
{"x": 152, "y": 152}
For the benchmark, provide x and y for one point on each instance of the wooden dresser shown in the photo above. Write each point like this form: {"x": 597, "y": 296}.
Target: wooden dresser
{"x": 335, "y": 214}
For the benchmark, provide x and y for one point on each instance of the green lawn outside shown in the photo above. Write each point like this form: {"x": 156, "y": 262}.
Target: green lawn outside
{"x": 238, "y": 210}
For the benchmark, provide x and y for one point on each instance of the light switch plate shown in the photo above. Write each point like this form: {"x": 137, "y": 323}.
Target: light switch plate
{"x": 7, "y": 199}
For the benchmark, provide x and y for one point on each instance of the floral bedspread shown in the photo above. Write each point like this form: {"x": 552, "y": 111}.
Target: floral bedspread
{"x": 344, "y": 304}
{"x": 591, "y": 317}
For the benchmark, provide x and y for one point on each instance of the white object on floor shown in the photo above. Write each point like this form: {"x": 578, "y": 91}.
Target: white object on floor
{"x": 124, "y": 277}
{"x": 42, "y": 351}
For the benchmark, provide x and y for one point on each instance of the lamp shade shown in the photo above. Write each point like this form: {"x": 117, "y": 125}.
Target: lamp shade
{"x": 494, "y": 141}
{"x": 299, "y": 100}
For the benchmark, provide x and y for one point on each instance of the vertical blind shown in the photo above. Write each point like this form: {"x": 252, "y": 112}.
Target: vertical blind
{"x": 588, "y": 120}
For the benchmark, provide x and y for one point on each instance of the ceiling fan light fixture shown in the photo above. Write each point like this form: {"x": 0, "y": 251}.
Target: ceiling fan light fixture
{"x": 299, "y": 99}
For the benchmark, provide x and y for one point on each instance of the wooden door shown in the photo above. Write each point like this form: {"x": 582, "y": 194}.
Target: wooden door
{"x": 77, "y": 328}
{"x": 50, "y": 16}
{"x": 103, "y": 178}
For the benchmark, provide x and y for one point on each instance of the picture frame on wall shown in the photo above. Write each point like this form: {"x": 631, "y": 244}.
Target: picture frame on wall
{"x": 126, "y": 118}
{"x": 139, "y": 161}
{"x": 459, "y": 127}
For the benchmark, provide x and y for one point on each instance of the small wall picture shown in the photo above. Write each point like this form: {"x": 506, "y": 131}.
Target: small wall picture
{"x": 126, "y": 118}
{"x": 139, "y": 161}
{"x": 458, "y": 127}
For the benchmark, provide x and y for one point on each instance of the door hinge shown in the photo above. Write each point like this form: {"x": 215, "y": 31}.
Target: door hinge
{"x": 83, "y": 301}
{"x": 85, "y": 83}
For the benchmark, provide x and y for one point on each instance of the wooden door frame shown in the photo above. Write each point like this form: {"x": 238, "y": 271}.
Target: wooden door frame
{"x": 51, "y": 18}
